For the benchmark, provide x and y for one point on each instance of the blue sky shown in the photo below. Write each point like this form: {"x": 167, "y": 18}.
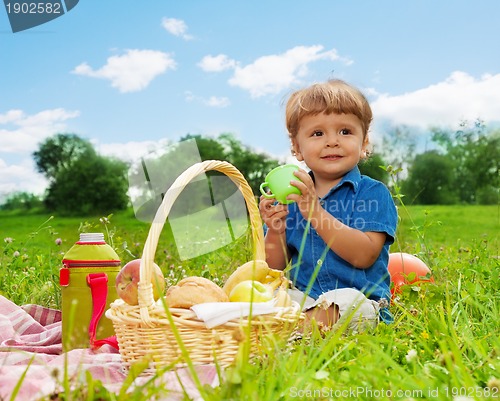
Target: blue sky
{"x": 130, "y": 75}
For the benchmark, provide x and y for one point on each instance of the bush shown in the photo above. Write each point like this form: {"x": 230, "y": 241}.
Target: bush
{"x": 22, "y": 201}
{"x": 488, "y": 195}
{"x": 91, "y": 185}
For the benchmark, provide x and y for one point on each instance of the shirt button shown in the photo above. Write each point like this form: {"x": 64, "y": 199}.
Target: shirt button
{"x": 319, "y": 262}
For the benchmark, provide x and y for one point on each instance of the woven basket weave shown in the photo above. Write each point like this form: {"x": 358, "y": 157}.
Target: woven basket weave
{"x": 145, "y": 330}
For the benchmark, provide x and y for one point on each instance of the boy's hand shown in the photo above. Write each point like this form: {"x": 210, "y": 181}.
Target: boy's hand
{"x": 308, "y": 200}
{"x": 273, "y": 215}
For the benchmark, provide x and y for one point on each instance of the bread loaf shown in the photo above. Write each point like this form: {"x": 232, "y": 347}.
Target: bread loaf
{"x": 192, "y": 291}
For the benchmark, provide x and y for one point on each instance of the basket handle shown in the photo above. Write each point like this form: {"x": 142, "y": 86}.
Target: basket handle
{"x": 145, "y": 290}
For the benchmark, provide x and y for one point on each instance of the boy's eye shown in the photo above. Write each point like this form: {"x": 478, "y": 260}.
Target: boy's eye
{"x": 317, "y": 133}
{"x": 344, "y": 131}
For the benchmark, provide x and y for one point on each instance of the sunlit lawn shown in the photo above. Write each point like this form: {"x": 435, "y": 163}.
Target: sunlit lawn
{"x": 444, "y": 344}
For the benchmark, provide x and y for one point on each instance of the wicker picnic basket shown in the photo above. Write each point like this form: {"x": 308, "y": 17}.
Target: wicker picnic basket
{"x": 150, "y": 330}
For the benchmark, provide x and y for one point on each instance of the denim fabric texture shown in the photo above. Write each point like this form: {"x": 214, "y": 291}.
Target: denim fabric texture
{"x": 359, "y": 202}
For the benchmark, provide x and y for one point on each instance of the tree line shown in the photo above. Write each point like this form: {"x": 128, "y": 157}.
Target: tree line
{"x": 461, "y": 166}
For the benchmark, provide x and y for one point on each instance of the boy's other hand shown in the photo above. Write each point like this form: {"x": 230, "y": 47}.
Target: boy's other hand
{"x": 273, "y": 214}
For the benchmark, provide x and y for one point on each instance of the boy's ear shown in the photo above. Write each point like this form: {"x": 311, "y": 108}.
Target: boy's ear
{"x": 296, "y": 151}
{"x": 365, "y": 148}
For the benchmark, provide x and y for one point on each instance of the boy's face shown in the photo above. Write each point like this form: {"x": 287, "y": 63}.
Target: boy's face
{"x": 330, "y": 144}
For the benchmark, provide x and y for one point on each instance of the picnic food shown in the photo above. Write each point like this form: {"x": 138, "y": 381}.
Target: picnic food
{"x": 194, "y": 290}
{"x": 170, "y": 337}
{"x": 283, "y": 299}
{"x": 128, "y": 278}
{"x": 251, "y": 291}
{"x": 253, "y": 270}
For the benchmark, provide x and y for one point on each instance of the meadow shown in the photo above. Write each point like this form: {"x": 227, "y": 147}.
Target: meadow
{"x": 444, "y": 343}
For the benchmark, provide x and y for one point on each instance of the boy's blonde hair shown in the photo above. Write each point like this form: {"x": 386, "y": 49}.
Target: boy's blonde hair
{"x": 334, "y": 96}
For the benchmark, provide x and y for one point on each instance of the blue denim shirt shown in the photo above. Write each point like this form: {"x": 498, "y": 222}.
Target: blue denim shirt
{"x": 359, "y": 202}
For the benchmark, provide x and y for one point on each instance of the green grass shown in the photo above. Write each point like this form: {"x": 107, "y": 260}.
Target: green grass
{"x": 31, "y": 257}
{"x": 458, "y": 226}
{"x": 445, "y": 342}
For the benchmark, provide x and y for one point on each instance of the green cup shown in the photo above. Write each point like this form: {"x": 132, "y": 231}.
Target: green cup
{"x": 278, "y": 183}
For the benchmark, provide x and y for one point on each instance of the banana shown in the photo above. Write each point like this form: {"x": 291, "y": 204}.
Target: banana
{"x": 274, "y": 282}
{"x": 252, "y": 270}
{"x": 283, "y": 298}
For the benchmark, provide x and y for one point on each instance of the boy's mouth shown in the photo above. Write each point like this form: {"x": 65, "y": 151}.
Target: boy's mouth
{"x": 331, "y": 157}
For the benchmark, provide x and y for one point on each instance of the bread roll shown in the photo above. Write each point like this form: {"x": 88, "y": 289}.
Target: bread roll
{"x": 194, "y": 290}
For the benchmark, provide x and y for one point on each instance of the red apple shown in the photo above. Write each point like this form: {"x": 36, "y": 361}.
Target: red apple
{"x": 128, "y": 278}
{"x": 251, "y": 290}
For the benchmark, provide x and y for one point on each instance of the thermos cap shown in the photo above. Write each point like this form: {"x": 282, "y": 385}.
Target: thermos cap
{"x": 91, "y": 237}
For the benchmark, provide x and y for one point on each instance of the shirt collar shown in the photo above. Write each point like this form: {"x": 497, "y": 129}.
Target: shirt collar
{"x": 352, "y": 178}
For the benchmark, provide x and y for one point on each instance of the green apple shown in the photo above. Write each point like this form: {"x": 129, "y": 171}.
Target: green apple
{"x": 251, "y": 291}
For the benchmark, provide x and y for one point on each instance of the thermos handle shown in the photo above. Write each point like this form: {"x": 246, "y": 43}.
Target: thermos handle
{"x": 98, "y": 283}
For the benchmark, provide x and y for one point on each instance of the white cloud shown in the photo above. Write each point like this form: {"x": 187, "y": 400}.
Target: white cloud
{"x": 132, "y": 71}
{"x": 189, "y": 96}
{"x": 212, "y": 101}
{"x": 217, "y": 63}
{"x": 11, "y": 116}
{"x": 129, "y": 151}
{"x": 459, "y": 97}
{"x": 20, "y": 177}
{"x": 176, "y": 27}
{"x": 274, "y": 73}
{"x": 21, "y": 133}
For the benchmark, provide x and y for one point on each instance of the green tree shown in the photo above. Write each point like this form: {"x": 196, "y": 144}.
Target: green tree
{"x": 60, "y": 152}
{"x": 95, "y": 185}
{"x": 474, "y": 154}
{"x": 430, "y": 180}
{"x": 253, "y": 165}
{"x": 398, "y": 149}
{"x": 80, "y": 180}
{"x": 157, "y": 172}
{"x": 372, "y": 168}
{"x": 21, "y": 201}
{"x": 209, "y": 148}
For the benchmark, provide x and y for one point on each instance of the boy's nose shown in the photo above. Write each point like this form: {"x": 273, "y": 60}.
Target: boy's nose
{"x": 331, "y": 141}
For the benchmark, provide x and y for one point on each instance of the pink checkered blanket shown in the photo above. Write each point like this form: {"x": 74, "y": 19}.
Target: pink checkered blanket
{"x": 33, "y": 366}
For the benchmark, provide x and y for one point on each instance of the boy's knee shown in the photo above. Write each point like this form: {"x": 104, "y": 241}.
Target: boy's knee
{"x": 324, "y": 317}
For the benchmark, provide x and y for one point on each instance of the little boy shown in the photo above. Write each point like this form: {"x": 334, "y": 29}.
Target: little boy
{"x": 338, "y": 231}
